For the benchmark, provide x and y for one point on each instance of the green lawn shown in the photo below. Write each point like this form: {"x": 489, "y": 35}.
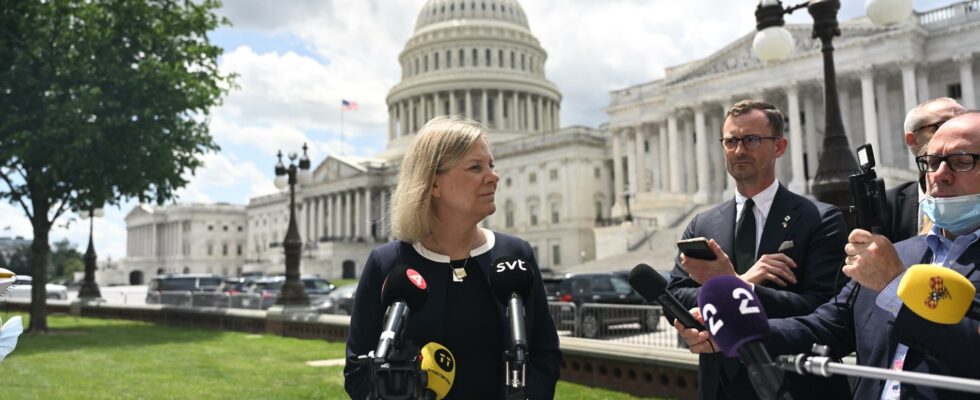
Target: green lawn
{"x": 114, "y": 359}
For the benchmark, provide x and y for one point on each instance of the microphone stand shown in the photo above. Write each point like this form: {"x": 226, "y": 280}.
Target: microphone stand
{"x": 515, "y": 372}
{"x": 398, "y": 376}
{"x": 822, "y": 365}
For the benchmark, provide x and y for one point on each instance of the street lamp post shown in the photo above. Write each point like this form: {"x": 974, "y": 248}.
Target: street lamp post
{"x": 773, "y": 43}
{"x": 292, "y": 293}
{"x": 626, "y": 197}
{"x": 90, "y": 289}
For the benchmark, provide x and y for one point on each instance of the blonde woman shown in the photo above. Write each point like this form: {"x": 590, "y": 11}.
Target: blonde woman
{"x": 446, "y": 187}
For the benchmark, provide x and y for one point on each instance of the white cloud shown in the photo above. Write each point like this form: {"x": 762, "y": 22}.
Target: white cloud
{"x": 223, "y": 173}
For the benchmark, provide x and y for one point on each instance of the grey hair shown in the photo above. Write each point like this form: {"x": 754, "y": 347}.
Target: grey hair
{"x": 439, "y": 145}
{"x": 913, "y": 120}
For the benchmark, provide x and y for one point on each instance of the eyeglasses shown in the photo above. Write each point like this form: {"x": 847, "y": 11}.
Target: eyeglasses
{"x": 934, "y": 126}
{"x": 749, "y": 141}
{"x": 955, "y": 162}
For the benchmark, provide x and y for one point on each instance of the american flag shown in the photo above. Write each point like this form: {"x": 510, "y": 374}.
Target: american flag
{"x": 349, "y": 105}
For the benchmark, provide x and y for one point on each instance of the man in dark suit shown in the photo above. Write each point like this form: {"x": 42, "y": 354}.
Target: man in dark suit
{"x": 921, "y": 122}
{"x": 875, "y": 324}
{"x": 790, "y": 248}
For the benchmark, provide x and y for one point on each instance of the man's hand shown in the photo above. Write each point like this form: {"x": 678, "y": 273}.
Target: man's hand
{"x": 697, "y": 341}
{"x": 871, "y": 260}
{"x": 702, "y": 270}
{"x": 776, "y": 268}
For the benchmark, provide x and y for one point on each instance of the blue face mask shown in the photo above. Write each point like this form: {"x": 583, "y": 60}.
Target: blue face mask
{"x": 959, "y": 215}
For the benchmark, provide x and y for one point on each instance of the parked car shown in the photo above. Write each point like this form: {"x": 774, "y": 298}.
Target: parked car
{"x": 599, "y": 288}
{"x": 234, "y": 285}
{"x": 180, "y": 283}
{"x": 268, "y": 288}
{"x": 339, "y": 301}
{"x": 21, "y": 289}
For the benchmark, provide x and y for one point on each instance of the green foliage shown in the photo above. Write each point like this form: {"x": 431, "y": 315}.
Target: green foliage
{"x": 20, "y": 261}
{"x": 63, "y": 257}
{"x": 100, "y": 101}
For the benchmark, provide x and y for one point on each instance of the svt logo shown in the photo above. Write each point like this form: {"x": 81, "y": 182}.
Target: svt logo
{"x": 511, "y": 265}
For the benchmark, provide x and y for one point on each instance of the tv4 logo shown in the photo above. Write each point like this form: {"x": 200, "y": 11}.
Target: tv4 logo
{"x": 510, "y": 265}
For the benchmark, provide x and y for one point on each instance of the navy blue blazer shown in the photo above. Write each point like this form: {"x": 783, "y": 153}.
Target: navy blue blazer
{"x": 428, "y": 323}
{"x": 819, "y": 234}
{"x": 874, "y": 333}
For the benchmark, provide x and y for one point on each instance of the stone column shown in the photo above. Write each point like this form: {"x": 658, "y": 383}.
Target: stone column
{"x": 349, "y": 214}
{"x": 469, "y": 104}
{"x": 663, "y": 157}
{"x": 368, "y": 217}
{"x": 617, "y": 209}
{"x": 452, "y": 103}
{"x": 556, "y": 115}
{"x": 887, "y": 133}
{"x": 383, "y": 220}
{"x": 965, "y": 62}
{"x": 391, "y": 122}
{"x": 529, "y": 113}
{"x": 358, "y": 213}
{"x": 641, "y": 161}
{"x": 908, "y": 85}
{"x": 402, "y": 119}
{"x": 498, "y": 110}
{"x": 413, "y": 114}
{"x": 701, "y": 155}
{"x": 674, "y": 153}
{"x": 690, "y": 168}
{"x": 798, "y": 184}
{"x": 810, "y": 110}
{"x": 632, "y": 169}
{"x": 440, "y": 107}
{"x": 539, "y": 116}
{"x": 515, "y": 119}
{"x": 844, "y": 94}
{"x": 868, "y": 106}
{"x": 730, "y": 186}
{"x": 485, "y": 107}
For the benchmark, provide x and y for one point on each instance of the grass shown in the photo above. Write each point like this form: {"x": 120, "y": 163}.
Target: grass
{"x": 116, "y": 359}
{"x": 342, "y": 282}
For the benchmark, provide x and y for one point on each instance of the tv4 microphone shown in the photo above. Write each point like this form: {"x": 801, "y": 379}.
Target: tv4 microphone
{"x": 403, "y": 291}
{"x": 738, "y": 324}
{"x": 440, "y": 367}
{"x": 510, "y": 280}
{"x": 653, "y": 287}
{"x": 938, "y": 294}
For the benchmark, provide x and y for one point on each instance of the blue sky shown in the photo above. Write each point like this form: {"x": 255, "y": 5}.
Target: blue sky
{"x": 298, "y": 59}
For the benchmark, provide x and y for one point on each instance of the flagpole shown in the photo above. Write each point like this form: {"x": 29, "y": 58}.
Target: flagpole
{"x": 342, "y": 129}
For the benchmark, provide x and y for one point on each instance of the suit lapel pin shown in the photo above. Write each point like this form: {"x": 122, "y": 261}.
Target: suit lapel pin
{"x": 786, "y": 221}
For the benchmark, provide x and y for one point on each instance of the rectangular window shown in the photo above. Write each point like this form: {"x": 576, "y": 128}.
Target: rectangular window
{"x": 239, "y": 249}
{"x": 555, "y": 212}
{"x": 224, "y": 249}
{"x": 553, "y": 174}
{"x": 532, "y": 178}
{"x": 435, "y": 62}
{"x": 954, "y": 90}
{"x": 210, "y": 249}
{"x": 597, "y": 172}
{"x": 534, "y": 249}
{"x": 555, "y": 254}
{"x": 509, "y": 218}
{"x": 534, "y": 214}
{"x": 487, "y": 60}
{"x": 598, "y": 210}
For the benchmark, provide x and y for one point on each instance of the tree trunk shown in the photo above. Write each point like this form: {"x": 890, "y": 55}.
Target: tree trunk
{"x": 40, "y": 252}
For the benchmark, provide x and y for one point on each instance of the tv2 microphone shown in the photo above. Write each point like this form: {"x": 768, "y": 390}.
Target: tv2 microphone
{"x": 653, "y": 287}
{"x": 439, "y": 366}
{"x": 403, "y": 291}
{"x": 510, "y": 280}
{"x": 738, "y": 324}
{"x": 938, "y": 294}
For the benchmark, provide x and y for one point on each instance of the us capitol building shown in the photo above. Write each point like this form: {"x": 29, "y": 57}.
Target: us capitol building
{"x": 567, "y": 190}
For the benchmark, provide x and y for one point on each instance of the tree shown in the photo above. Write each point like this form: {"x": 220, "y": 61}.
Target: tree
{"x": 64, "y": 257}
{"x": 20, "y": 260}
{"x": 101, "y": 101}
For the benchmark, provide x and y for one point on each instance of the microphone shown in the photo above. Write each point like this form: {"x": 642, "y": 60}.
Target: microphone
{"x": 403, "y": 290}
{"x": 653, "y": 287}
{"x": 440, "y": 368}
{"x": 510, "y": 280}
{"x": 738, "y": 324}
{"x": 938, "y": 294}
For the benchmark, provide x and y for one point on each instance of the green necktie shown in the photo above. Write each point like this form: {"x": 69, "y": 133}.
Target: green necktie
{"x": 745, "y": 239}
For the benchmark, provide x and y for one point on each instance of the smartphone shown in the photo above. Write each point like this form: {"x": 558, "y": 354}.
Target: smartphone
{"x": 696, "y": 248}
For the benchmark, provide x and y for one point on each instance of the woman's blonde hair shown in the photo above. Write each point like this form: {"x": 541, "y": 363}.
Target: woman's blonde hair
{"x": 440, "y": 144}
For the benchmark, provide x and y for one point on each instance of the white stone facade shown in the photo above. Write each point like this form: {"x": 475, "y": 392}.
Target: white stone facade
{"x": 185, "y": 238}
{"x": 666, "y": 131}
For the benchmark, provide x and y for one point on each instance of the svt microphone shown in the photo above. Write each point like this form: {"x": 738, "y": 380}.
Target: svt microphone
{"x": 738, "y": 324}
{"x": 403, "y": 290}
{"x": 938, "y": 294}
{"x": 510, "y": 280}
{"x": 653, "y": 287}
{"x": 440, "y": 367}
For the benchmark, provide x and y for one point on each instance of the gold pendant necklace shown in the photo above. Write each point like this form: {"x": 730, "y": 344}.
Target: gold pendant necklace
{"x": 460, "y": 273}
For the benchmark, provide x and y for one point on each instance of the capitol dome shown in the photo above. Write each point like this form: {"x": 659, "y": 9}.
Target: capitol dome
{"x": 476, "y": 58}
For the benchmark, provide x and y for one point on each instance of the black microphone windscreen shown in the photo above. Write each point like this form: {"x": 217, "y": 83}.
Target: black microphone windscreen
{"x": 405, "y": 284}
{"x": 732, "y": 312}
{"x": 647, "y": 282}
{"x": 510, "y": 275}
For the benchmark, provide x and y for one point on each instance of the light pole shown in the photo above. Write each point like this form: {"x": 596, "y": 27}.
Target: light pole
{"x": 774, "y": 43}
{"x": 90, "y": 289}
{"x": 626, "y": 197}
{"x": 292, "y": 292}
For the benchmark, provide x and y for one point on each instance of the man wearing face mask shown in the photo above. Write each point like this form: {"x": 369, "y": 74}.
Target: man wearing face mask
{"x": 874, "y": 323}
